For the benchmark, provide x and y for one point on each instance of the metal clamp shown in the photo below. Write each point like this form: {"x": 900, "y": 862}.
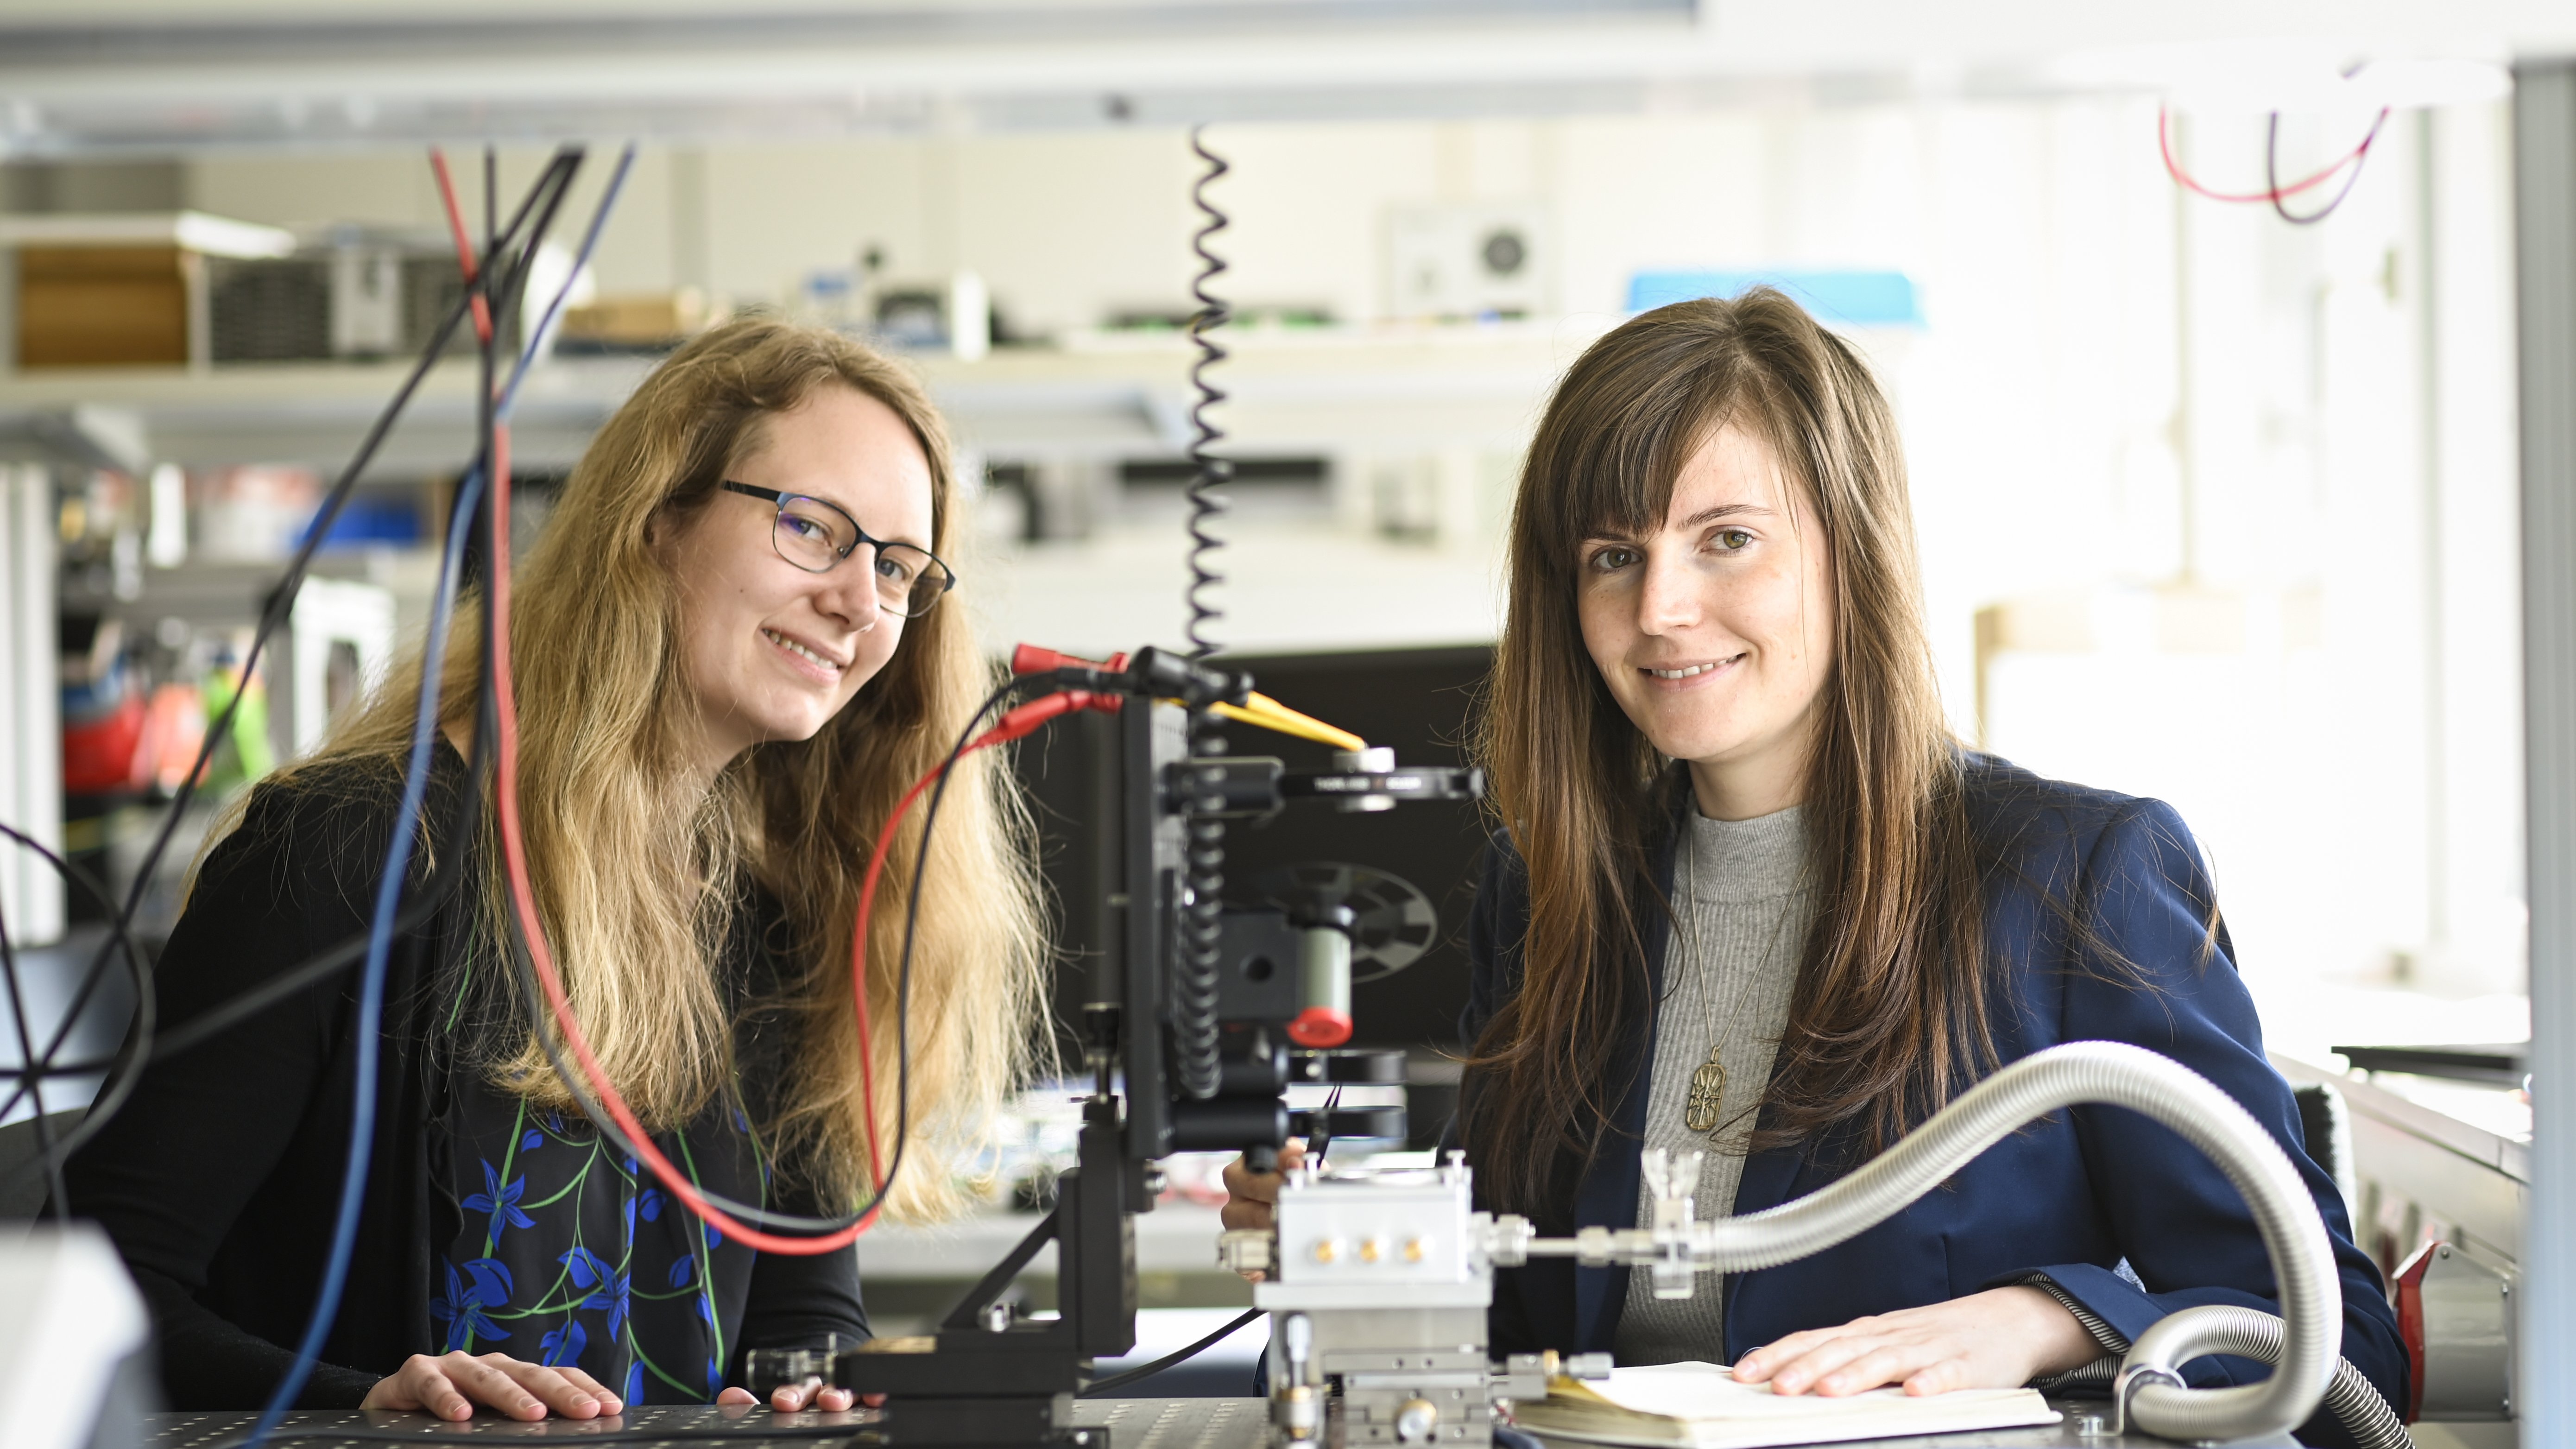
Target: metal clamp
{"x": 1507, "y": 1240}
{"x": 2127, "y": 1383}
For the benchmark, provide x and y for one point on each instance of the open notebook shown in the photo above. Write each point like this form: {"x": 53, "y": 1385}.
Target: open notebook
{"x": 1701, "y": 1406}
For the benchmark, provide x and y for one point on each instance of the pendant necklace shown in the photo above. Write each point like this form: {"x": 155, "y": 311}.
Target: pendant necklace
{"x": 1706, "y": 1107}
{"x": 1707, "y": 1094}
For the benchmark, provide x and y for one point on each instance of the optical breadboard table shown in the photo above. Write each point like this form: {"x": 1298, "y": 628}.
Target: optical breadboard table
{"x": 1130, "y": 1424}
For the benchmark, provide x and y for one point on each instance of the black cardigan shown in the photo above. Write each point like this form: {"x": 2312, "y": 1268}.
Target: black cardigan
{"x": 220, "y": 1179}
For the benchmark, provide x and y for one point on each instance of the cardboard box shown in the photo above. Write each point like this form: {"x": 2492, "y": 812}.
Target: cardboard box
{"x": 102, "y": 306}
{"x": 122, "y": 290}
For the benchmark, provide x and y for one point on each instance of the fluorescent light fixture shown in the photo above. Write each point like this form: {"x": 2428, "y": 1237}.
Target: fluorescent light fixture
{"x": 214, "y": 236}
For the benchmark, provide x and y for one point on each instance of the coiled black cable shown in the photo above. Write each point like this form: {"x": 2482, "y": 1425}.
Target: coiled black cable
{"x": 1203, "y": 888}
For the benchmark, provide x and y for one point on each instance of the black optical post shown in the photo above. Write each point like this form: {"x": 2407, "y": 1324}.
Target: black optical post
{"x": 989, "y": 1377}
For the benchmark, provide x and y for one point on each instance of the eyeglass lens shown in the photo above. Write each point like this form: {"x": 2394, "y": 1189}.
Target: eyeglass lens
{"x": 814, "y": 536}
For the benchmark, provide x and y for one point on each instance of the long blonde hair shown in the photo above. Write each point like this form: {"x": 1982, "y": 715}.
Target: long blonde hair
{"x": 637, "y": 871}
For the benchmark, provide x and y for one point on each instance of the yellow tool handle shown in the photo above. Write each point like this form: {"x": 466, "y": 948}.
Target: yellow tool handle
{"x": 1270, "y": 714}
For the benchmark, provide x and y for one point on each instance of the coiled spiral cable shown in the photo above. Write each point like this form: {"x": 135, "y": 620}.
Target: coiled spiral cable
{"x": 1203, "y": 887}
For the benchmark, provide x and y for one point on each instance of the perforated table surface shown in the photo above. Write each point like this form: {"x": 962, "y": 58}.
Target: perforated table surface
{"x": 1132, "y": 1424}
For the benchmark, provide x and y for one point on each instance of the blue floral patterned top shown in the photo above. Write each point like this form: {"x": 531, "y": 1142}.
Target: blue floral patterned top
{"x": 567, "y": 1252}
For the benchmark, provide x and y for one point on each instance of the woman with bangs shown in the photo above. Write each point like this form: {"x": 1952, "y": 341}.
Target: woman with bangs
{"x": 1751, "y": 898}
{"x": 731, "y": 655}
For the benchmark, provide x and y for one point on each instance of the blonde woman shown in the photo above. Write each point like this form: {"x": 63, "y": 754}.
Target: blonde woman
{"x": 732, "y": 652}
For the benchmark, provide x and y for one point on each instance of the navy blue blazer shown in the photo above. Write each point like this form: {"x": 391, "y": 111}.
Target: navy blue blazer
{"x": 2070, "y": 1198}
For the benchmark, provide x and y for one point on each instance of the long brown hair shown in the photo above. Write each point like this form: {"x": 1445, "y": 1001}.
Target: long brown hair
{"x": 1888, "y": 1018}
{"x": 637, "y": 869}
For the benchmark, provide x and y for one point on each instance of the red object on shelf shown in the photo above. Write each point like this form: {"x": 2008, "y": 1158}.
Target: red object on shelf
{"x": 2407, "y": 1286}
{"x": 106, "y": 754}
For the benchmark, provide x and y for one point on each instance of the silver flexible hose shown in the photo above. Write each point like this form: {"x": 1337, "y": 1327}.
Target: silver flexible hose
{"x": 2252, "y": 1333}
{"x": 2075, "y": 1074}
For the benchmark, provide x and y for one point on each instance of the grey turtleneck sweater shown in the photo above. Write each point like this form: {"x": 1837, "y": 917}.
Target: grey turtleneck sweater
{"x": 1742, "y": 907}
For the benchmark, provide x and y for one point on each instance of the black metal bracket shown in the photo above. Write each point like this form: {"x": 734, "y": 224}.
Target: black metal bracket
{"x": 971, "y": 1311}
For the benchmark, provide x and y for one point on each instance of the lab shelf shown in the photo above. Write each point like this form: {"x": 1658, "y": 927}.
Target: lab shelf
{"x": 1098, "y": 395}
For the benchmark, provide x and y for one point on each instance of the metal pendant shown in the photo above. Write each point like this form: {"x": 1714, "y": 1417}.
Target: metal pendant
{"x": 1707, "y": 1104}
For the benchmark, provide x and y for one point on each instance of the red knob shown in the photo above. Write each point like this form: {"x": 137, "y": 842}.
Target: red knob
{"x": 1320, "y": 1026}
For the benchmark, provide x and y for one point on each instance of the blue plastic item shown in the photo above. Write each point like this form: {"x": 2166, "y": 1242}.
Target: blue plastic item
{"x": 1854, "y": 299}
{"x": 364, "y": 520}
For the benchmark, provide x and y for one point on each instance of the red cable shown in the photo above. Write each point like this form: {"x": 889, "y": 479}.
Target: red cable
{"x": 523, "y": 901}
{"x": 464, "y": 247}
{"x": 2182, "y": 178}
{"x": 1018, "y": 722}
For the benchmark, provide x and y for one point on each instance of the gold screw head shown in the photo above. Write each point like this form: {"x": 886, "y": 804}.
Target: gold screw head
{"x": 1370, "y": 1250}
{"x": 1327, "y": 1249}
{"x": 1413, "y": 1250}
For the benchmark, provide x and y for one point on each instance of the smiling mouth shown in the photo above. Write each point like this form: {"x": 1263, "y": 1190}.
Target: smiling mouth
{"x": 801, "y": 652}
{"x": 1692, "y": 671}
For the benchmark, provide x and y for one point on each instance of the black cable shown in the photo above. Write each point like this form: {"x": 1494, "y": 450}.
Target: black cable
{"x": 1323, "y": 1143}
{"x": 2272, "y": 171}
{"x": 1202, "y": 905}
{"x": 280, "y": 605}
{"x": 145, "y": 1002}
{"x": 60, "y": 1198}
{"x": 139, "y": 1045}
{"x": 911, "y": 918}
{"x": 1125, "y": 1377}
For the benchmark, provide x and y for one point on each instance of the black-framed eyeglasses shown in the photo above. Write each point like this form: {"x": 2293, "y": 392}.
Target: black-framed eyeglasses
{"x": 814, "y": 535}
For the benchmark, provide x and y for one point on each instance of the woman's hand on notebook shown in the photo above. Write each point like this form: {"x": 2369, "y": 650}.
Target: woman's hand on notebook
{"x": 1999, "y": 1339}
